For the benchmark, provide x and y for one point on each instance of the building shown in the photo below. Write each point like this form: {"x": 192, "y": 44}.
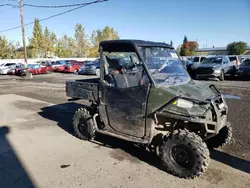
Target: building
{"x": 218, "y": 51}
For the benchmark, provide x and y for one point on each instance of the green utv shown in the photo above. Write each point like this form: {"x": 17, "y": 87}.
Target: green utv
{"x": 144, "y": 95}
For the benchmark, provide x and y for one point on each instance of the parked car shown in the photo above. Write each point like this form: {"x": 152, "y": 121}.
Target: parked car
{"x": 14, "y": 70}
{"x": 186, "y": 63}
{"x": 244, "y": 69}
{"x": 59, "y": 68}
{"x": 35, "y": 69}
{"x": 56, "y": 64}
{"x": 73, "y": 67}
{"x": 5, "y": 67}
{"x": 235, "y": 62}
{"x": 191, "y": 68}
{"x": 214, "y": 67}
{"x": 91, "y": 68}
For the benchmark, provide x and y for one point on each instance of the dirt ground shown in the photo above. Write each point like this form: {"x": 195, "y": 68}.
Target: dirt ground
{"x": 38, "y": 149}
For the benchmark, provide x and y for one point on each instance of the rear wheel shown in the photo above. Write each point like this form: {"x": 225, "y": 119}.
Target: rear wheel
{"x": 184, "y": 154}
{"x": 48, "y": 72}
{"x": 83, "y": 124}
{"x": 222, "y": 76}
{"x": 222, "y": 138}
{"x": 233, "y": 72}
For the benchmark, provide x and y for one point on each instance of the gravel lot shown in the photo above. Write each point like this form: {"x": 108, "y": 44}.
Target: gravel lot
{"x": 38, "y": 149}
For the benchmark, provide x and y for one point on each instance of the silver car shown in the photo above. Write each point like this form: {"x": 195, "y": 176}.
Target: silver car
{"x": 214, "y": 67}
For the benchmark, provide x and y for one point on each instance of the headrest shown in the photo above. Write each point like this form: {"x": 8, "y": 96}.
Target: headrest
{"x": 115, "y": 64}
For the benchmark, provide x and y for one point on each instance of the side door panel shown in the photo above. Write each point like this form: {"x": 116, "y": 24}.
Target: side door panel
{"x": 126, "y": 109}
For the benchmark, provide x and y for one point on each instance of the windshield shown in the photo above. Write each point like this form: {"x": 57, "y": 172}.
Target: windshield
{"x": 246, "y": 62}
{"x": 196, "y": 59}
{"x": 56, "y": 63}
{"x": 212, "y": 60}
{"x": 33, "y": 66}
{"x": 165, "y": 66}
{"x": 232, "y": 58}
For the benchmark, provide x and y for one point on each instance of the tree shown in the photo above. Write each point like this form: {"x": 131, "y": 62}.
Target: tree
{"x": 4, "y": 48}
{"x": 171, "y": 43}
{"x": 236, "y": 48}
{"x": 189, "y": 48}
{"x": 9, "y": 49}
{"x": 185, "y": 40}
{"x": 36, "y": 41}
{"x": 65, "y": 47}
{"x": 46, "y": 42}
{"x": 97, "y": 36}
{"x": 53, "y": 40}
{"x": 82, "y": 46}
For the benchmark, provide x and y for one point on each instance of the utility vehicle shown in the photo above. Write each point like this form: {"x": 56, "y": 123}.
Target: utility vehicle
{"x": 144, "y": 95}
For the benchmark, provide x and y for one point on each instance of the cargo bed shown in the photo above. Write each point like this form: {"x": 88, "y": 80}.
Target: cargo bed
{"x": 86, "y": 89}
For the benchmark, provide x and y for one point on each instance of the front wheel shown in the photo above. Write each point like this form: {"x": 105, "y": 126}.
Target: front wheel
{"x": 75, "y": 71}
{"x": 222, "y": 76}
{"x": 184, "y": 154}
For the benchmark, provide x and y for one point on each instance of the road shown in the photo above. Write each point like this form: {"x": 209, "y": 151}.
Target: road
{"x": 38, "y": 148}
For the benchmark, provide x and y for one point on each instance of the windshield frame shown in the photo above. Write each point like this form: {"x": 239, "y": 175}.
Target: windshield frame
{"x": 150, "y": 75}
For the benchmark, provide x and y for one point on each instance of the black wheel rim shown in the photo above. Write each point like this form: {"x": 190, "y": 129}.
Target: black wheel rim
{"x": 82, "y": 126}
{"x": 182, "y": 156}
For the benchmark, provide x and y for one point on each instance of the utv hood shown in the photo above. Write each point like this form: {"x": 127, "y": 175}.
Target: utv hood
{"x": 159, "y": 96}
{"x": 194, "y": 90}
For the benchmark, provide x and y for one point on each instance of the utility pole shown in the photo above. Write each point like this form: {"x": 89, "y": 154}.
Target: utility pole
{"x": 23, "y": 35}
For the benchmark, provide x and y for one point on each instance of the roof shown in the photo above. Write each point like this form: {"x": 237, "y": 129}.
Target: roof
{"x": 215, "y": 49}
{"x": 136, "y": 42}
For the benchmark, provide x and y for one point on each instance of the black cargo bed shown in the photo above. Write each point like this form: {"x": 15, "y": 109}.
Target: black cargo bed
{"x": 87, "y": 89}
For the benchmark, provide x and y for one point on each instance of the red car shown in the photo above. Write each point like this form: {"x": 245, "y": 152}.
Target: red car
{"x": 59, "y": 68}
{"x": 35, "y": 69}
{"x": 13, "y": 71}
{"x": 73, "y": 67}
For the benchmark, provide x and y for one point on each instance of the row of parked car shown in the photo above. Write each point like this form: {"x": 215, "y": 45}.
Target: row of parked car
{"x": 203, "y": 67}
{"x": 46, "y": 67}
{"x": 200, "y": 67}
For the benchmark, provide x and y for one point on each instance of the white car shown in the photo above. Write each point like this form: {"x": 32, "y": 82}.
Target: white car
{"x": 5, "y": 67}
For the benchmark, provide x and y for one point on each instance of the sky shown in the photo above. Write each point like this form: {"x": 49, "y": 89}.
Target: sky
{"x": 210, "y": 22}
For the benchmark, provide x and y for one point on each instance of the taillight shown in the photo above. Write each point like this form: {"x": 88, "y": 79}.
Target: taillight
{"x": 236, "y": 62}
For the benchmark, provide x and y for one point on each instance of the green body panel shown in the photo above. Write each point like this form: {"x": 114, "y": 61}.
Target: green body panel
{"x": 161, "y": 95}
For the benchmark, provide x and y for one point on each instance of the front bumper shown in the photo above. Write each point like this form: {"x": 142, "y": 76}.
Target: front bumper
{"x": 209, "y": 123}
{"x": 4, "y": 71}
{"x": 244, "y": 74}
{"x": 212, "y": 75}
{"x": 87, "y": 71}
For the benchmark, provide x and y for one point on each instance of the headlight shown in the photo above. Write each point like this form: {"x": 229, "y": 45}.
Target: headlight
{"x": 185, "y": 107}
{"x": 183, "y": 103}
{"x": 217, "y": 70}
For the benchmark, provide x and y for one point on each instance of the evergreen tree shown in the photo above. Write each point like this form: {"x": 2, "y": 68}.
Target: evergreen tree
{"x": 36, "y": 41}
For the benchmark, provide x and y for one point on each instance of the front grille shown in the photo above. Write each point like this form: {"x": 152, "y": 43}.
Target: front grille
{"x": 204, "y": 71}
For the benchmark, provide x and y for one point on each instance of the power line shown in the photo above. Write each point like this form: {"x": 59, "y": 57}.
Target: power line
{"x": 43, "y": 6}
{"x": 53, "y": 6}
{"x": 9, "y": 5}
{"x": 56, "y": 15}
